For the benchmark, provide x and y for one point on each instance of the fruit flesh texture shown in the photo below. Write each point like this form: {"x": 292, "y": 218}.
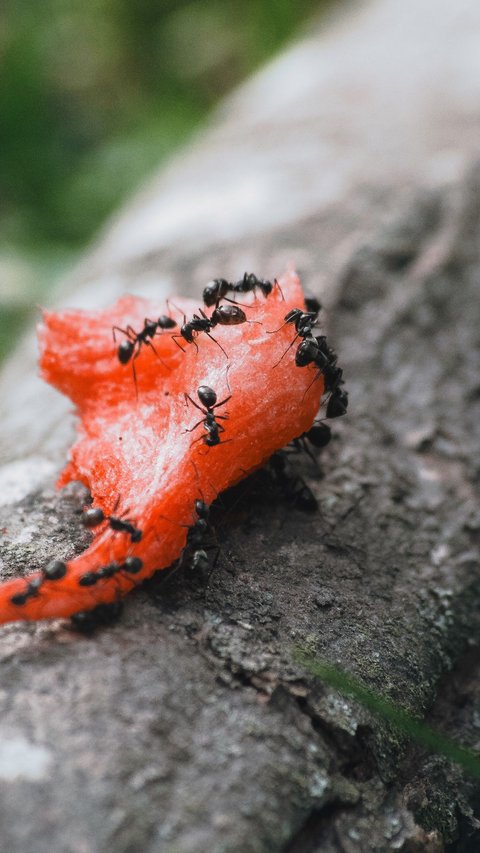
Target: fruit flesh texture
{"x": 134, "y": 452}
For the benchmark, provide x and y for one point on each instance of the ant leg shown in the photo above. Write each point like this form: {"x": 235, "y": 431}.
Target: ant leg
{"x": 124, "y": 332}
{"x": 222, "y": 418}
{"x": 149, "y": 344}
{"x": 173, "y": 337}
{"x": 135, "y": 377}
{"x": 200, "y": 437}
{"x": 226, "y": 376}
{"x": 275, "y": 282}
{"x": 274, "y": 331}
{"x": 194, "y": 427}
{"x": 203, "y": 411}
{"x": 222, "y": 402}
{"x": 217, "y": 343}
{"x": 284, "y": 354}
{"x": 182, "y": 313}
{"x": 317, "y": 375}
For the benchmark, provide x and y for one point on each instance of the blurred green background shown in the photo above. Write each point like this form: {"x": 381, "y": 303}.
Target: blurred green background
{"x": 93, "y": 96}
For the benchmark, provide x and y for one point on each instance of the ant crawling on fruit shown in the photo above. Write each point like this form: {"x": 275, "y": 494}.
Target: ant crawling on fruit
{"x": 131, "y": 347}
{"x": 130, "y": 566}
{"x": 31, "y": 591}
{"x": 219, "y": 287}
{"x": 94, "y": 516}
{"x": 55, "y": 570}
{"x": 208, "y": 398}
{"x": 304, "y": 322}
{"x": 225, "y": 315}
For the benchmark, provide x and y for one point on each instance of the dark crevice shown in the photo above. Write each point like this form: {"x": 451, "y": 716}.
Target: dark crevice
{"x": 316, "y": 828}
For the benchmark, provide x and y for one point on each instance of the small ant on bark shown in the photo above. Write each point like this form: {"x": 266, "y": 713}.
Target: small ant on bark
{"x": 208, "y": 398}
{"x": 103, "y": 614}
{"x": 194, "y": 553}
{"x": 319, "y": 435}
{"x": 291, "y": 487}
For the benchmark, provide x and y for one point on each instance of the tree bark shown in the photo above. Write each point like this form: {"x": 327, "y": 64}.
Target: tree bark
{"x": 191, "y": 725}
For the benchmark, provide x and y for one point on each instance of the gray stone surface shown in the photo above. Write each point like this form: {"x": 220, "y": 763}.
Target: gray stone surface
{"x": 190, "y": 726}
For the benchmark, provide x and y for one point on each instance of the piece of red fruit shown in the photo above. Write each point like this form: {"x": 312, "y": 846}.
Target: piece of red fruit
{"x": 134, "y": 452}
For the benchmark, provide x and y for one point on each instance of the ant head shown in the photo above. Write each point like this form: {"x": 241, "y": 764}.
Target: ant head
{"x": 319, "y": 435}
{"x": 214, "y": 290}
{"x": 265, "y": 286}
{"x": 187, "y": 332}
{"x": 312, "y": 304}
{"x": 200, "y": 561}
{"x": 93, "y": 516}
{"x": 133, "y": 565}
{"x": 207, "y": 396}
{"x": 125, "y": 351}
{"x": 55, "y": 570}
{"x": 202, "y": 509}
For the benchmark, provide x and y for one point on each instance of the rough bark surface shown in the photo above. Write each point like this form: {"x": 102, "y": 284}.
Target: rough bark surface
{"x": 190, "y": 726}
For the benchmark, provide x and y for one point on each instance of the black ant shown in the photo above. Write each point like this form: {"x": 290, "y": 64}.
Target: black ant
{"x": 55, "y": 570}
{"x": 94, "y": 516}
{"x": 131, "y": 566}
{"x": 312, "y": 304}
{"x": 338, "y": 403}
{"x": 195, "y": 550}
{"x": 292, "y": 488}
{"x": 194, "y": 554}
{"x": 220, "y": 287}
{"x": 250, "y": 283}
{"x": 315, "y": 350}
{"x": 31, "y": 591}
{"x": 224, "y": 315}
{"x": 130, "y": 348}
{"x": 319, "y": 435}
{"x": 304, "y": 322}
{"x": 208, "y": 398}
{"x": 103, "y": 614}
{"x": 216, "y": 290}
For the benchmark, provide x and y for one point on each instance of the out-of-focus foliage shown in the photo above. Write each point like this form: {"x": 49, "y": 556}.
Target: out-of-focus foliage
{"x": 93, "y": 93}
